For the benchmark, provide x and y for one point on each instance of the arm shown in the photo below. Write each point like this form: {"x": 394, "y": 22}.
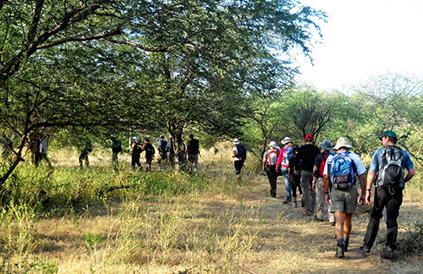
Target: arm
{"x": 410, "y": 174}
{"x": 363, "y": 187}
{"x": 326, "y": 187}
{"x": 371, "y": 177}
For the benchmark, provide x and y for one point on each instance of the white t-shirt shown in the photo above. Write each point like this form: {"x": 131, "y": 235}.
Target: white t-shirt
{"x": 358, "y": 163}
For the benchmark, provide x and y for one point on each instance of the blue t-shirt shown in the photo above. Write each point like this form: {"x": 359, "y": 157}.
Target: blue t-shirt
{"x": 374, "y": 165}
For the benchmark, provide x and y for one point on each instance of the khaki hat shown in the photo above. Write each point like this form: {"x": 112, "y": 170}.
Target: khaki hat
{"x": 342, "y": 142}
{"x": 286, "y": 140}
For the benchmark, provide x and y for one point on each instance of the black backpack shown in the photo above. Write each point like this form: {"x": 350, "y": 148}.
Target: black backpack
{"x": 116, "y": 146}
{"x": 241, "y": 152}
{"x": 391, "y": 173}
{"x": 149, "y": 150}
{"x": 163, "y": 145}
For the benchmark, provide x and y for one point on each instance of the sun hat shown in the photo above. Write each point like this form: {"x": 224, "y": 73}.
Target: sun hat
{"x": 308, "y": 137}
{"x": 273, "y": 144}
{"x": 342, "y": 142}
{"x": 236, "y": 141}
{"x": 390, "y": 134}
{"x": 326, "y": 145}
{"x": 286, "y": 140}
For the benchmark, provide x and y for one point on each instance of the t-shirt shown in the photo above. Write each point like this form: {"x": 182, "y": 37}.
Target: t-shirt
{"x": 307, "y": 154}
{"x": 357, "y": 161}
{"x": 318, "y": 162}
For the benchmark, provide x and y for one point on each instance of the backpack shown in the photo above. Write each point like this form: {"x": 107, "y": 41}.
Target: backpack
{"x": 272, "y": 157}
{"x": 149, "y": 150}
{"x": 162, "y": 145}
{"x": 241, "y": 152}
{"x": 342, "y": 171}
{"x": 116, "y": 146}
{"x": 391, "y": 173}
{"x": 323, "y": 163}
{"x": 193, "y": 146}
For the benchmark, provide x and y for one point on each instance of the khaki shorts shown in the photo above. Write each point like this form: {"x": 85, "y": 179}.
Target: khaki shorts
{"x": 344, "y": 201}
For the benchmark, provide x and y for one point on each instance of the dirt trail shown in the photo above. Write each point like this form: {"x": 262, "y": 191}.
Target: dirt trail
{"x": 289, "y": 241}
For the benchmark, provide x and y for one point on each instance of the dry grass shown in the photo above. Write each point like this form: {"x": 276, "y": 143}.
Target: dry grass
{"x": 233, "y": 227}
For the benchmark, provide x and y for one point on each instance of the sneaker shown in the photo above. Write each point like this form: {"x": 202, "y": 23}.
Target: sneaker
{"x": 364, "y": 249}
{"x": 388, "y": 253}
{"x": 339, "y": 252}
{"x": 317, "y": 219}
{"x": 295, "y": 204}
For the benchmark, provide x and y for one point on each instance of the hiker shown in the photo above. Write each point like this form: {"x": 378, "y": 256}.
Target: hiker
{"x": 321, "y": 207}
{"x": 86, "y": 150}
{"x": 7, "y": 146}
{"x": 239, "y": 155}
{"x": 163, "y": 147}
{"x": 306, "y": 155}
{"x": 171, "y": 150}
{"x": 295, "y": 175}
{"x": 116, "y": 149}
{"x": 387, "y": 173}
{"x": 136, "y": 150}
{"x": 282, "y": 166}
{"x": 340, "y": 171}
{"x": 193, "y": 151}
{"x": 42, "y": 150}
{"x": 269, "y": 166}
{"x": 149, "y": 153}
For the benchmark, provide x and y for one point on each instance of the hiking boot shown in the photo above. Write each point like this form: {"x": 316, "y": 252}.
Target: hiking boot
{"x": 364, "y": 249}
{"x": 339, "y": 252}
{"x": 273, "y": 193}
{"x": 347, "y": 241}
{"x": 388, "y": 253}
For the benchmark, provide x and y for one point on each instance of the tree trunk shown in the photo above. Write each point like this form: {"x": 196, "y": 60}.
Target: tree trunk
{"x": 176, "y": 130}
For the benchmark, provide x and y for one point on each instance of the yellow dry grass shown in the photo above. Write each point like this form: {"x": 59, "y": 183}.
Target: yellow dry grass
{"x": 234, "y": 227}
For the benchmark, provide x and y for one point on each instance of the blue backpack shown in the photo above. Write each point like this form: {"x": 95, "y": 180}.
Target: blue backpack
{"x": 342, "y": 171}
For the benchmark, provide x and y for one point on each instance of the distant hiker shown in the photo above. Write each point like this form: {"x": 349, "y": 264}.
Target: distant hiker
{"x": 193, "y": 151}
{"x": 340, "y": 171}
{"x": 149, "y": 153}
{"x": 321, "y": 208}
{"x": 7, "y": 146}
{"x": 239, "y": 154}
{"x": 136, "y": 150}
{"x": 43, "y": 151}
{"x": 171, "y": 150}
{"x": 282, "y": 164}
{"x": 116, "y": 149}
{"x": 387, "y": 172}
{"x": 269, "y": 166}
{"x": 306, "y": 155}
{"x": 163, "y": 147}
{"x": 85, "y": 151}
{"x": 295, "y": 175}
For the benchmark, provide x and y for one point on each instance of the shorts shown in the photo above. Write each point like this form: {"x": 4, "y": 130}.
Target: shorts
{"x": 344, "y": 201}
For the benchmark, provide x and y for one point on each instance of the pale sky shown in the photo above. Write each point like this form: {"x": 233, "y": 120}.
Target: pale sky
{"x": 365, "y": 38}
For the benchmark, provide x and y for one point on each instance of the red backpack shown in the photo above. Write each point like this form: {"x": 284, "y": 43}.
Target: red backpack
{"x": 323, "y": 163}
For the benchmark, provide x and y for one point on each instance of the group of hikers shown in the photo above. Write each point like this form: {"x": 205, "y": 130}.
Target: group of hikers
{"x": 168, "y": 152}
{"x": 332, "y": 181}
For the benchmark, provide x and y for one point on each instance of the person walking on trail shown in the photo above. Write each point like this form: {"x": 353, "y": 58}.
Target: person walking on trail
{"x": 149, "y": 153}
{"x": 270, "y": 158}
{"x": 306, "y": 155}
{"x": 163, "y": 147}
{"x": 282, "y": 166}
{"x": 171, "y": 150}
{"x": 340, "y": 171}
{"x": 43, "y": 151}
{"x": 387, "y": 173}
{"x": 239, "y": 155}
{"x": 321, "y": 208}
{"x": 116, "y": 149}
{"x": 295, "y": 176}
{"x": 193, "y": 151}
{"x": 85, "y": 151}
{"x": 136, "y": 150}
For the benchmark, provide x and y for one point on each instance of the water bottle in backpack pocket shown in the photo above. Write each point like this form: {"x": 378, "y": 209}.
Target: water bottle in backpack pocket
{"x": 391, "y": 173}
{"x": 342, "y": 171}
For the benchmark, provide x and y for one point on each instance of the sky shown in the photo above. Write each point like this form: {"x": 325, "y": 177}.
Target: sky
{"x": 363, "y": 39}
